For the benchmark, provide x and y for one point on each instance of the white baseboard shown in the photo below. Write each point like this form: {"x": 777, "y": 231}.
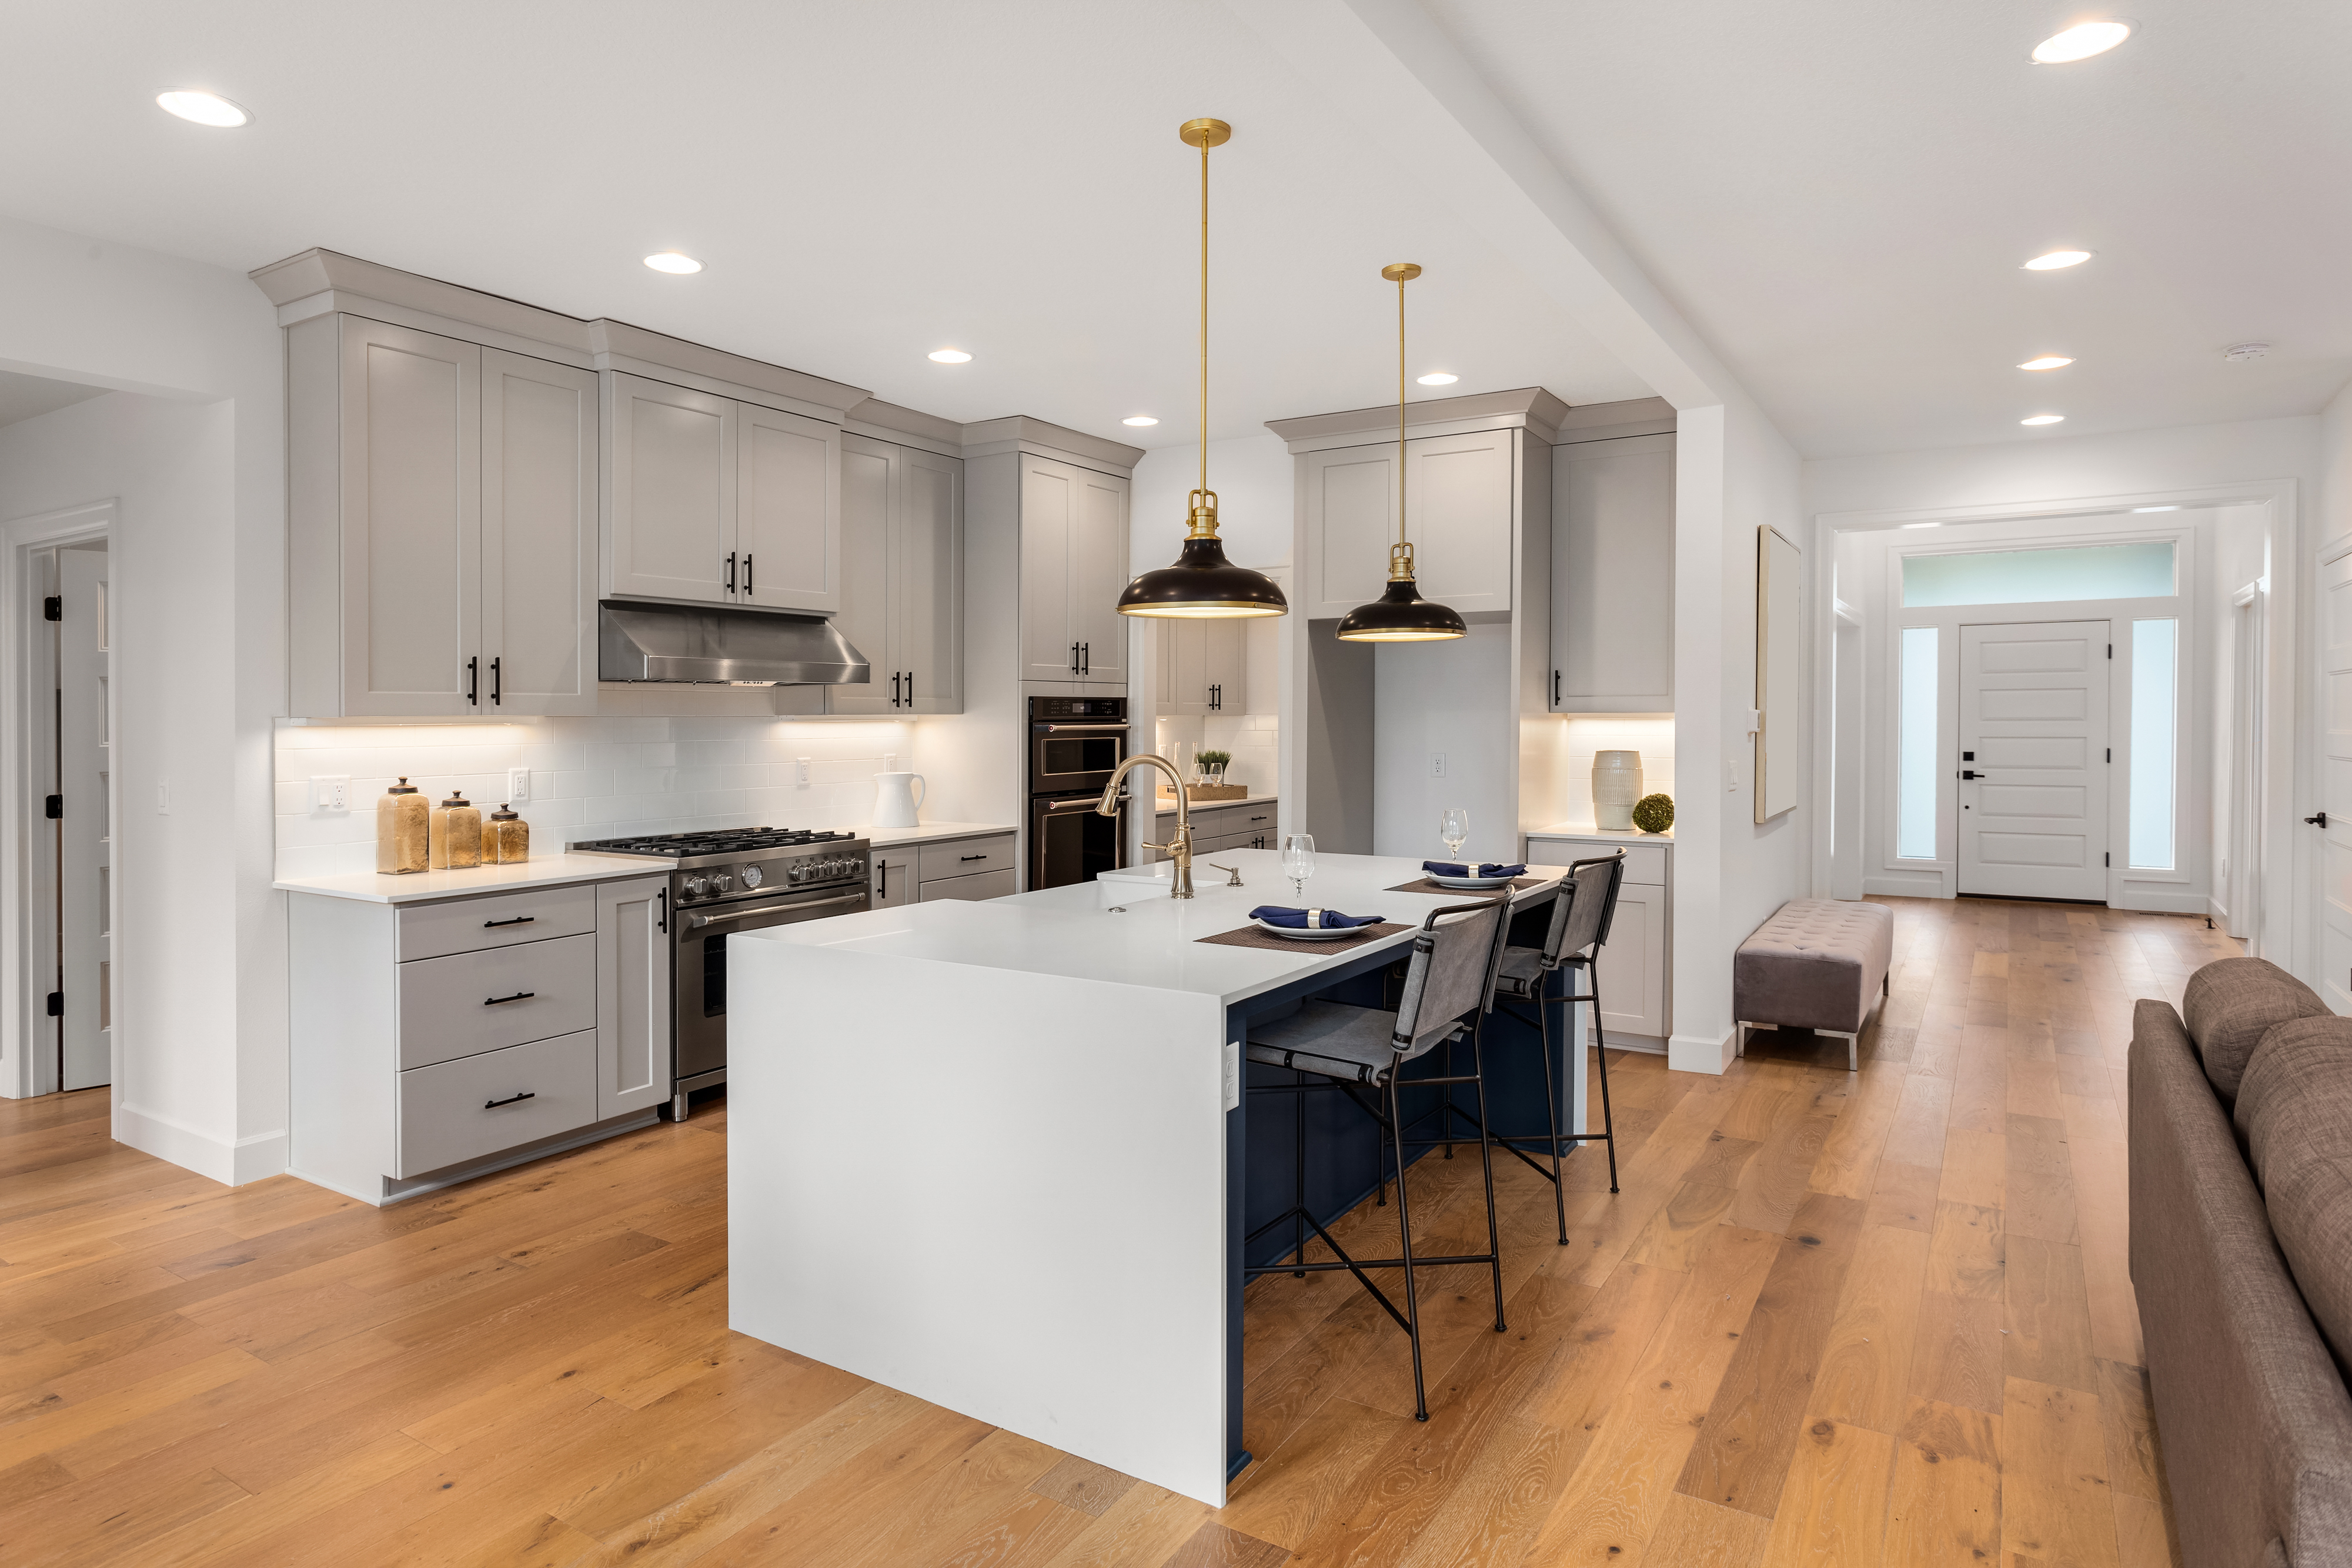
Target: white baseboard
{"x": 1700, "y": 1053}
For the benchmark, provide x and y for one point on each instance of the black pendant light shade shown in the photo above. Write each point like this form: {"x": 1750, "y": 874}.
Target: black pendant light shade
{"x": 1400, "y": 615}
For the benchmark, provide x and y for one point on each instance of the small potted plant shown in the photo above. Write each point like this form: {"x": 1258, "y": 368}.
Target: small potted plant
{"x": 1212, "y": 765}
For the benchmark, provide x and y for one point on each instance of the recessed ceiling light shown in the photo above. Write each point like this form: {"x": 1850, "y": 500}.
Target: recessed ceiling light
{"x": 673, "y": 261}
{"x": 204, "y": 107}
{"x": 2043, "y": 419}
{"x": 1138, "y": 419}
{"x": 2046, "y": 362}
{"x": 1922, "y": 525}
{"x": 949, "y": 356}
{"x": 2057, "y": 259}
{"x": 2156, "y": 509}
{"x": 1438, "y": 379}
{"x": 2080, "y": 42}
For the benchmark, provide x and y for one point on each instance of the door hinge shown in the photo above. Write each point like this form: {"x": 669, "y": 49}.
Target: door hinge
{"x": 55, "y": 807}
{"x": 56, "y": 1004}
{"x": 53, "y": 608}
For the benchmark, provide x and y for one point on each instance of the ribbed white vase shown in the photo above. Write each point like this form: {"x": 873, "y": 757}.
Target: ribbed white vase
{"x": 1616, "y": 785}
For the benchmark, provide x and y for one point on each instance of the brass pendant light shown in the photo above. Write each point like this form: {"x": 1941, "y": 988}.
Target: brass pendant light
{"x": 1203, "y": 584}
{"x": 1401, "y": 614}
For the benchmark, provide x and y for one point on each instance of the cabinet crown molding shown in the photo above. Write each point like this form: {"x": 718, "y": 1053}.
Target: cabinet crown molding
{"x": 906, "y": 426}
{"x": 1523, "y": 408}
{"x": 1022, "y": 433}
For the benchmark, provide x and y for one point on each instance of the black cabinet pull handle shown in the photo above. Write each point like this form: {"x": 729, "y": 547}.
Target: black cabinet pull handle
{"x": 975, "y": 857}
{"x": 494, "y": 1104}
{"x": 746, "y": 573}
{"x": 1555, "y": 686}
{"x": 893, "y": 690}
{"x": 1074, "y": 658}
{"x": 497, "y": 683}
{"x": 661, "y": 910}
{"x": 473, "y": 681}
{"x": 731, "y": 571}
{"x": 518, "y": 997}
{"x": 2318, "y": 821}
{"x": 911, "y": 689}
{"x": 517, "y": 920}
{"x": 1085, "y": 658}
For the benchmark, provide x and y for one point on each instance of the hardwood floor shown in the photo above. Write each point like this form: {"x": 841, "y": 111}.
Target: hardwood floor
{"x": 1831, "y": 1319}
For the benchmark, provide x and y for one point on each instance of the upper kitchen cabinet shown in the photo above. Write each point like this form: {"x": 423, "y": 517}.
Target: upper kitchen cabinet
{"x": 440, "y": 503}
{"x": 902, "y": 577}
{"x": 1612, "y": 563}
{"x": 1073, "y": 570}
{"x": 1203, "y": 666}
{"x": 718, "y": 501}
{"x": 1462, "y": 509}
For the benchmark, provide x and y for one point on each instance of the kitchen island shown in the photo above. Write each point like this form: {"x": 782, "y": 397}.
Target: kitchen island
{"x": 998, "y": 1155}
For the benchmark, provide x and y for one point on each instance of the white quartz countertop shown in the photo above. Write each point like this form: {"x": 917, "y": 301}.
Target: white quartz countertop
{"x": 1168, "y": 803}
{"x": 1612, "y": 835}
{"x": 928, "y": 832}
{"x": 1150, "y": 940}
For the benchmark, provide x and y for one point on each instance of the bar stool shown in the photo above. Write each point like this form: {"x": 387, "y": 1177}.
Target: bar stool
{"x": 1581, "y": 918}
{"x": 1349, "y": 1049}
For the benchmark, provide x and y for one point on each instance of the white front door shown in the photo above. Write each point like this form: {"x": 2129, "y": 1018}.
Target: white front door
{"x": 2334, "y": 977}
{"x": 2034, "y": 760}
{"x": 85, "y": 837}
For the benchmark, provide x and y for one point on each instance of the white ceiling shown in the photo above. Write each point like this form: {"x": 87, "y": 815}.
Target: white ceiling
{"x": 28, "y": 397}
{"x": 1840, "y": 211}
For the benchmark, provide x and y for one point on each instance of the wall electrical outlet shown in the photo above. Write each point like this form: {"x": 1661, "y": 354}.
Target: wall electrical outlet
{"x": 163, "y": 799}
{"x": 1731, "y": 778}
{"x": 889, "y": 762}
{"x": 518, "y": 786}
{"x": 1437, "y": 765}
{"x": 331, "y": 791}
{"x": 800, "y": 769}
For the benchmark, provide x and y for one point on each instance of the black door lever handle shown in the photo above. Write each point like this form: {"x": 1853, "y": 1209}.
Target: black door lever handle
{"x": 2318, "y": 821}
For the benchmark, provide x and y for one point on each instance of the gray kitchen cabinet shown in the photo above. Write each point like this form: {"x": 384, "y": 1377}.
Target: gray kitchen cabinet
{"x": 1203, "y": 666}
{"x": 716, "y": 501}
{"x": 979, "y": 885}
{"x": 439, "y": 497}
{"x": 1612, "y": 576}
{"x": 1073, "y": 570}
{"x": 1242, "y": 825}
{"x": 634, "y": 1016}
{"x": 902, "y": 577}
{"x": 1460, "y": 506}
{"x": 1635, "y": 967}
{"x": 894, "y": 877}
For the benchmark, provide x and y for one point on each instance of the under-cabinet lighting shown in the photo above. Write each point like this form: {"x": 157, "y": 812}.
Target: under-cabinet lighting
{"x": 1138, "y": 419}
{"x": 2156, "y": 509}
{"x": 2052, "y": 261}
{"x": 2046, "y": 362}
{"x": 949, "y": 356}
{"x": 2043, "y": 419}
{"x": 673, "y": 261}
{"x": 2080, "y": 42}
{"x": 1438, "y": 379}
{"x": 1922, "y": 525}
{"x": 203, "y": 108}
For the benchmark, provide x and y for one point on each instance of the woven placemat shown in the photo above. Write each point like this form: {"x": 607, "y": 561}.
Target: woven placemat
{"x": 1251, "y": 936}
{"x": 1426, "y": 885}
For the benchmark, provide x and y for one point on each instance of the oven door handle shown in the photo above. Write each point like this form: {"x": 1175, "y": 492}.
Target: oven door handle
{"x": 1084, "y": 728}
{"x": 698, "y": 921}
{"x": 1064, "y": 808}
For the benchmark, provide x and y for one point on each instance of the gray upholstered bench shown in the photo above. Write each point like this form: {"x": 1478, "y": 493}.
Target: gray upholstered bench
{"x": 1819, "y": 964}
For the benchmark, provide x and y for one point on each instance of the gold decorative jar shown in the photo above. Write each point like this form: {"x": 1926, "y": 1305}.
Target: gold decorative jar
{"x": 457, "y": 833}
{"x": 505, "y": 838}
{"x": 401, "y": 829}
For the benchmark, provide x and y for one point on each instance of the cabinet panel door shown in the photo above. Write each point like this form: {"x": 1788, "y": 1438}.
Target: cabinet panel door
{"x": 1459, "y": 504}
{"x": 1632, "y": 970}
{"x": 1188, "y": 685}
{"x": 927, "y": 572}
{"x": 1224, "y": 665}
{"x": 632, "y": 995}
{"x": 412, "y": 521}
{"x": 1612, "y": 576}
{"x": 671, "y": 520}
{"x": 539, "y": 536}
{"x": 1350, "y": 523}
{"x": 867, "y": 483}
{"x": 1099, "y": 576}
{"x": 787, "y": 511}
{"x": 893, "y": 878}
{"x": 1049, "y": 512}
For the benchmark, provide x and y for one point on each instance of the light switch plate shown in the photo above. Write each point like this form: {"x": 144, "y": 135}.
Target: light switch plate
{"x": 1437, "y": 765}
{"x": 518, "y": 786}
{"x": 800, "y": 769}
{"x": 331, "y": 791}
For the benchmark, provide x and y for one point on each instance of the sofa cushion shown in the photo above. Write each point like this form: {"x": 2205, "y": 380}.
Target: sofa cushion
{"x": 1817, "y": 963}
{"x": 2294, "y": 1111}
{"x": 2229, "y": 1006}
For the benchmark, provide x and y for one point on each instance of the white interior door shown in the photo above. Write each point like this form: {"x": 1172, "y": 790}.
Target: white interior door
{"x": 2335, "y": 819}
{"x": 2033, "y": 760}
{"x": 86, "y": 829}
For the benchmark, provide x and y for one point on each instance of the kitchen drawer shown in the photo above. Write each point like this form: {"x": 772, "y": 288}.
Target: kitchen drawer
{"x": 964, "y": 857}
{"x": 1220, "y": 845}
{"x": 463, "y": 1109}
{"x": 455, "y": 1005}
{"x": 1644, "y": 864}
{"x": 496, "y": 920}
{"x": 980, "y": 885}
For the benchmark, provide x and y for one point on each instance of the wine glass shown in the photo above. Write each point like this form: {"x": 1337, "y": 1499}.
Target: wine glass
{"x": 1453, "y": 827}
{"x": 1298, "y": 862}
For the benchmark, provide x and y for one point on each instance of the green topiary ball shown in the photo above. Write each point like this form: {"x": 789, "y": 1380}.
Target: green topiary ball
{"x": 1654, "y": 813}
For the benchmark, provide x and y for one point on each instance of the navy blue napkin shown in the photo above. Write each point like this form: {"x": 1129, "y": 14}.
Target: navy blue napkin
{"x": 1484, "y": 868}
{"x": 1310, "y": 919}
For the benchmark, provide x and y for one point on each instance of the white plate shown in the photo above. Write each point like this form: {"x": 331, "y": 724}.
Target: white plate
{"x": 1308, "y": 934}
{"x": 1471, "y": 884}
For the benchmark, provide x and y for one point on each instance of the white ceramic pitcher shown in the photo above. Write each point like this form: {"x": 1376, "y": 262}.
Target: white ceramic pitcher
{"x": 896, "y": 798}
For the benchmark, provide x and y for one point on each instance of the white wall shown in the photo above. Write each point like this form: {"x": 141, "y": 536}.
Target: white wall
{"x": 1451, "y": 698}
{"x": 198, "y": 469}
{"x": 1252, "y": 478}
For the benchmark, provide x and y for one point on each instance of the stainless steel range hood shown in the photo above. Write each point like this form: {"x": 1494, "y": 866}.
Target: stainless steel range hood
{"x": 677, "y": 643}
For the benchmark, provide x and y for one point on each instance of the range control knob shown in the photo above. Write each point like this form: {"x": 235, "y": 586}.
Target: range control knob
{"x": 721, "y": 882}
{"x": 695, "y": 887}
{"x": 751, "y": 877}
{"x": 792, "y": 874}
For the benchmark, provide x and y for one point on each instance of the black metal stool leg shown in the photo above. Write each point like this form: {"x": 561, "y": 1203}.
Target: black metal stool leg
{"x": 1298, "y": 1225}
{"x": 1552, "y": 1103}
{"x": 1600, "y": 1046}
{"x": 1404, "y": 1230}
{"x": 1486, "y": 1160}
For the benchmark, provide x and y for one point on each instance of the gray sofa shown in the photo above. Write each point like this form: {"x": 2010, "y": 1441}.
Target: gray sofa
{"x": 2240, "y": 1157}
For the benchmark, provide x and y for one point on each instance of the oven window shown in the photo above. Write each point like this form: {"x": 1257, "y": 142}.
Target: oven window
{"x": 1078, "y": 754}
{"x": 1077, "y": 846}
{"x": 714, "y": 977}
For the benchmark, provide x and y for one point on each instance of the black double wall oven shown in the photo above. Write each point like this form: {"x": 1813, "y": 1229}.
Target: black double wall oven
{"x": 1075, "y": 745}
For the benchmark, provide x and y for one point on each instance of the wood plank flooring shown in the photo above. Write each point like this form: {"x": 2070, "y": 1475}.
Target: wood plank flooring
{"x": 1831, "y": 1319}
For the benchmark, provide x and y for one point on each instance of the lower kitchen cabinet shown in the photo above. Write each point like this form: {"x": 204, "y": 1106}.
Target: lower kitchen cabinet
{"x": 1244, "y": 825}
{"x": 973, "y": 868}
{"x": 432, "y": 1041}
{"x": 980, "y": 885}
{"x": 1635, "y": 970}
{"x": 893, "y": 878}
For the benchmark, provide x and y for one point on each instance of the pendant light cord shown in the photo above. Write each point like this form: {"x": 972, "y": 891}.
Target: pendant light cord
{"x": 1401, "y": 282}
{"x": 1204, "y": 316}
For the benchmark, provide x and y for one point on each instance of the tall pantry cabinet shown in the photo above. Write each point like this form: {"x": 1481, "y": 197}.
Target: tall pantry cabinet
{"x": 441, "y": 497}
{"x": 1073, "y": 570}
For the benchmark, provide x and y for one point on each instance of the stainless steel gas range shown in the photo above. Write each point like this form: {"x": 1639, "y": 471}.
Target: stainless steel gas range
{"x": 738, "y": 879}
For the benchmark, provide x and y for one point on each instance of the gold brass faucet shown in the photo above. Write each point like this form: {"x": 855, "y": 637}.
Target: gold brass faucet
{"x": 1180, "y": 844}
